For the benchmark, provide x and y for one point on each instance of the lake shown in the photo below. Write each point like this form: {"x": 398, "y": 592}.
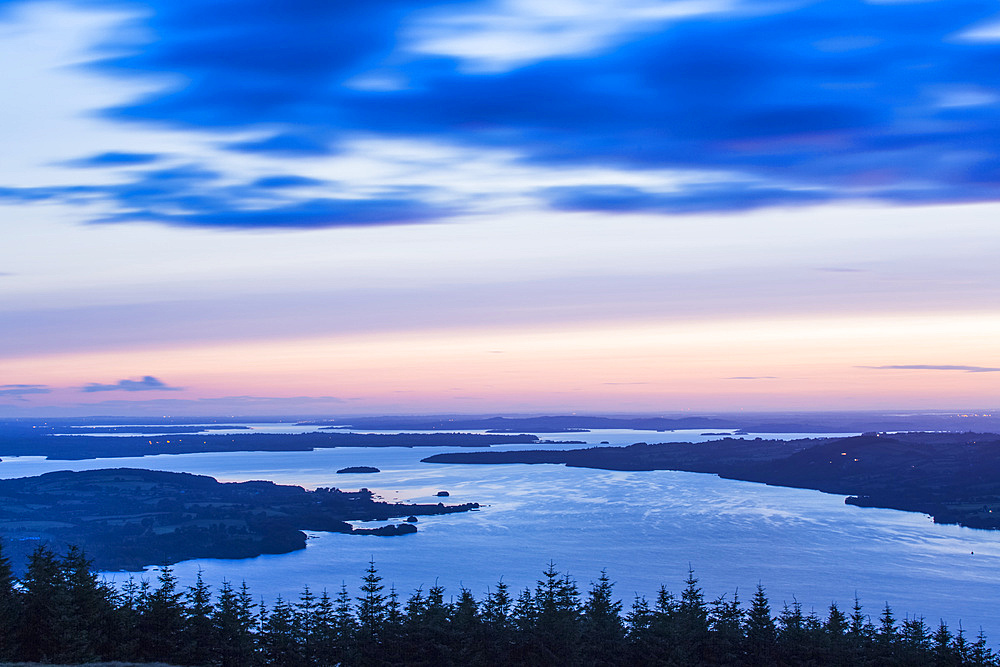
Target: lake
{"x": 644, "y": 528}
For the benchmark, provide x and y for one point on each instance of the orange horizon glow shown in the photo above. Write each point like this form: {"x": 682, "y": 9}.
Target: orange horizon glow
{"x": 752, "y": 364}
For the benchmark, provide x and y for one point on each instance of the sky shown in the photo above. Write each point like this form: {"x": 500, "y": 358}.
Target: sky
{"x": 389, "y": 207}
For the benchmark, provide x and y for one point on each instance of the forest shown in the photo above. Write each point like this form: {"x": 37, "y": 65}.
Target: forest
{"x": 59, "y": 611}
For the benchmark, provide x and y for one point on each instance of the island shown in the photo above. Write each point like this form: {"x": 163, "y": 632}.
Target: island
{"x": 953, "y": 477}
{"x": 357, "y": 469}
{"x": 127, "y": 518}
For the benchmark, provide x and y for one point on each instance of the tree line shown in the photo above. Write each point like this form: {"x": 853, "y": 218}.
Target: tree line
{"x": 61, "y": 611}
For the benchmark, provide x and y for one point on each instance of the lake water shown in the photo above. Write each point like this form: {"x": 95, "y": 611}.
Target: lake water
{"x": 644, "y": 528}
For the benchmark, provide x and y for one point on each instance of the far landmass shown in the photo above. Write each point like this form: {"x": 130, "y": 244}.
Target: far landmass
{"x": 20, "y": 441}
{"x": 195, "y": 428}
{"x": 128, "y": 518}
{"x": 776, "y": 422}
{"x": 358, "y": 469}
{"x": 953, "y": 477}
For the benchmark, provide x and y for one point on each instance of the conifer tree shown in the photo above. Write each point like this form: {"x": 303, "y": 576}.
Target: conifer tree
{"x": 345, "y": 626}
{"x": 466, "y": 631}
{"x": 960, "y": 646}
{"x": 9, "y": 609}
{"x": 42, "y": 628}
{"x": 428, "y": 631}
{"x": 835, "y": 629}
{"x": 759, "y": 630}
{"x": 279, "y": 639}
{"x": 322, "y": 649}
{"x": 89, "y": 616}
{"x": 436, "y": 612}
{"x": 233, "y": 624}
{"x": 791, "y": 626}
{"x": 690, "y": 623}
{"x": 126, "y": 620}
{"x": 305, "y": 623}
{"x": 980, "y": 654}
{"x": 914, "y": 639}
{"x": 886, "y": 636}
{"x": 692, "y": 608}
{"x": 726, "y": 620}
{"x": 860, "y": 633}
{"x": 836, "y": 622}
{"x": 557, "y": 627}
{"x": 497, "y": 625}
{"x": 942, "y": 650}
{"x": 393, "y": 649}
{"x": 465, "y": 611}
{"x": 525, "y": 613}
{"x": 603, "y": 633}
{"x": 393, "y": 615}
{"x": 661, "y": 634}
{"x": 371, "y": 615}
{"x": 638, "y": 622}
{"x": 497, "y": 607}
{"x": 161, "y": 620}
{"x": 199, "y": 635}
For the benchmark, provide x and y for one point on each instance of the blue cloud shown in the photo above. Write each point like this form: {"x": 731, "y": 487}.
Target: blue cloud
{"x": 721, "y": 197}
{"x": 286, "y": 144}
{"x": 824, "y": 99}
{"x": 27, "y": 194}
{"x": 146, "y": 383}
{"x": 191, "y": 195}
{"x": 310, "y": 214}
{"x": 18, "y": 390}
{"x": 257, "y": 61}
{"x": 116, "y": 159}
{"x": 285, "y": 181}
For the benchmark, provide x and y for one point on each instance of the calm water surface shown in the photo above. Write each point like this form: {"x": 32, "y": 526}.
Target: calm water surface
{"x": 645, "y": 528}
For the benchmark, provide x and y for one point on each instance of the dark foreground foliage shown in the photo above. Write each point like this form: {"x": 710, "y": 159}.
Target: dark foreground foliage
{"x": 60, "y": 612}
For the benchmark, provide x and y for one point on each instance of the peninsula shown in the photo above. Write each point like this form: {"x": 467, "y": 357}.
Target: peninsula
{"x": 953, "y": 477}
{"x": 129, "y": 518}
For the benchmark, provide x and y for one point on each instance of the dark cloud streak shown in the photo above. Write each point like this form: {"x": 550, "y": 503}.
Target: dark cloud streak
{"x": 23, "y": 389}
{"x": 310, "y": 214}
{"x": 146, "y": 383}
{"x": 191, "y": 196}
